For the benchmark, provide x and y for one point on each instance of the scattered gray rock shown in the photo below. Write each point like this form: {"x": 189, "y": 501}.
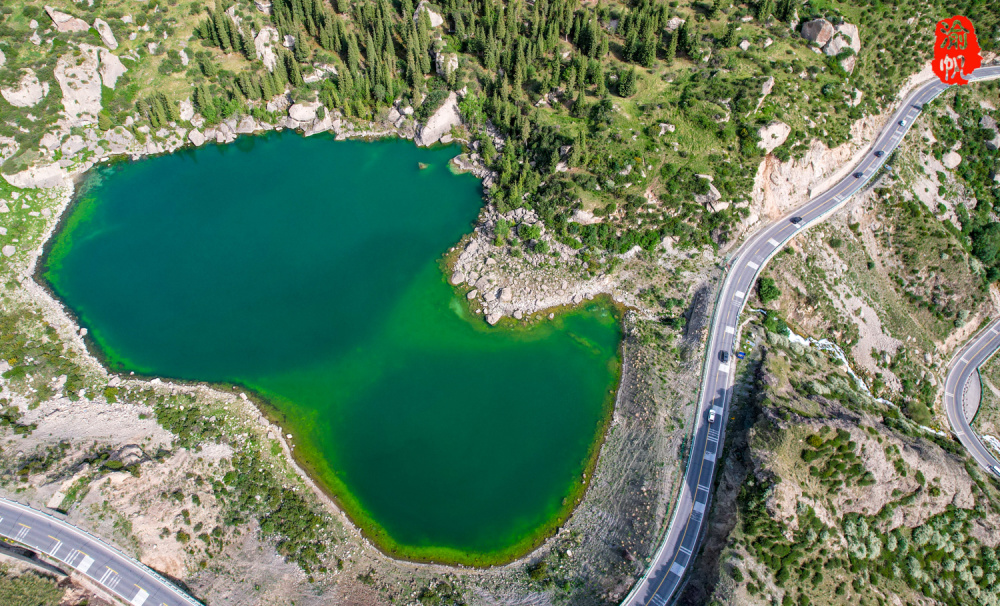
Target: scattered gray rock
{"x": 195, "y": 137}
{"x": 8, "y": 250}
{"x": 494, "y": 317}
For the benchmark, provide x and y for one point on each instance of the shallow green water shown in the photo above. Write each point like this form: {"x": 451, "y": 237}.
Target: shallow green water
{"x": 307, "y": 270}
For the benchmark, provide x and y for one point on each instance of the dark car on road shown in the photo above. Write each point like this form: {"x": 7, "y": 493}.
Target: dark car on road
{"x": 724, "y": 355}
{"x": 796, "y": 220}
{"x": 857, "y": 175}
{"x": 879, "y": 153}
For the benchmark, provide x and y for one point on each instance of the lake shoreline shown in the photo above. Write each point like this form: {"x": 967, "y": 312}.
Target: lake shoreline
{"x": 271, "y": 418}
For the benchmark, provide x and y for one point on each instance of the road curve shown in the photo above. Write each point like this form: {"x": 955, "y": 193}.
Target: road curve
{"x": 963, "y": 366}
{"x": 666, "y": 572}
{"x": 116, "y": 572}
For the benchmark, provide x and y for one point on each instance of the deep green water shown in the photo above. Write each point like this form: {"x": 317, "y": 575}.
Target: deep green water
{"x": 308, "y": 271}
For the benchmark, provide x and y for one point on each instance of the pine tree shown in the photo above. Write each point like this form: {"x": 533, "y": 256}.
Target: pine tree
{"x": 672, "y": 48}
{"x": 765, "y": 8}
{"x": 729, "y": 39}
{"x": 627, "y": 82}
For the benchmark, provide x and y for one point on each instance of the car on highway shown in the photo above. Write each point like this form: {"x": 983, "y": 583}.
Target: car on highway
{"x": 879, "y": 153}
{"x": 857, "y": 175}
{"x": 724, "y": 356}
{"x": 996, "y": 470}
{"x": 796, "y": 221}
{"x": 902, "y": 122}
{"x": 711, "y": 416}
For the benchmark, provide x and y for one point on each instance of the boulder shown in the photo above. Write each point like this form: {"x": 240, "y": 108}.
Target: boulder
{"x": 767, "y": 87}
{"x": 745, "y": 45}
{"x": 247, "y": 126}
{"x": 848, "y": 63}
{"x": 186, "y": 110}
{"x": 303, "y": 112}
{"x": 184, "y": 58}
{"x": 81, "y": 85}
{"x": 494, "y": 317}
{"x": 8, "y": 250}
{"x": 951, "y": 159}
{"x": 195, "y": 137}
{"x": 264, "y": 44}
{"x": 846, "y": 36}
{"x": 457, "y": 278}
{"x": 711, "y": 198}
{"x": 472, "y": 294}
{"x": 446, "y": 63}
{"x": 29, "y": 91}
{"x": 444, "y": 119}
{"x": 818, "y": 31}
{"x": 107, "y": 35}
{"x": 506, "y": 294}
{"x": 673, "y": 24}
{"x": 850, "y": 32}
{"x": 66, "y": 23}
{"x": 3, "y": 59}
{"x": 436, "y": 19}
{"x": 111, "y": 68}
{"x": 773, "y": 135}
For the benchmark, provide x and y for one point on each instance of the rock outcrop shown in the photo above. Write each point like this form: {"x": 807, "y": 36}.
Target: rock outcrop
{"x": 107, "y": 35}
{"x": 29, "y": 91}
{"x": 49, "y": 175}
{"x": 81, "y": 85}
{"x": 989, "y": 123}
{"x": 66, "y": 23}
{"x": 773, "y": 135}
{"x": 111, "y": 68}
{"x": 441, "y": 123}
{"x": 264, "y": 45}
{"x": 818, "y": 31}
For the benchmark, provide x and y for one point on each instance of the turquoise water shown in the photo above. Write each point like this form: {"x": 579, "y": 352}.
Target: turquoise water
{"x": 308, "y": 270}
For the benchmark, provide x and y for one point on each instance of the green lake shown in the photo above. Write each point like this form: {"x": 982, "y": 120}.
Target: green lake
{"x": 309, "y": 271}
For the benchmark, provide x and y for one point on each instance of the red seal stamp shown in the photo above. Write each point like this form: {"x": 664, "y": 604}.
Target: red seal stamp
{"x": 956, "y": 51}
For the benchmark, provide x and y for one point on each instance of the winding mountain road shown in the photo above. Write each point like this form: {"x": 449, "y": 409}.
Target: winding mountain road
{"x": 680, "y": 545}
{"x": 963, "y": 367}
{"x": 114, "y": 571}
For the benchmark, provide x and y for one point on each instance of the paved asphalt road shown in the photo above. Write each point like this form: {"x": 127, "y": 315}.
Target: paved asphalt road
{"x": 117, "y": 573}
{"x": 680, "y": 545}
{"x": 964, "y": 367}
